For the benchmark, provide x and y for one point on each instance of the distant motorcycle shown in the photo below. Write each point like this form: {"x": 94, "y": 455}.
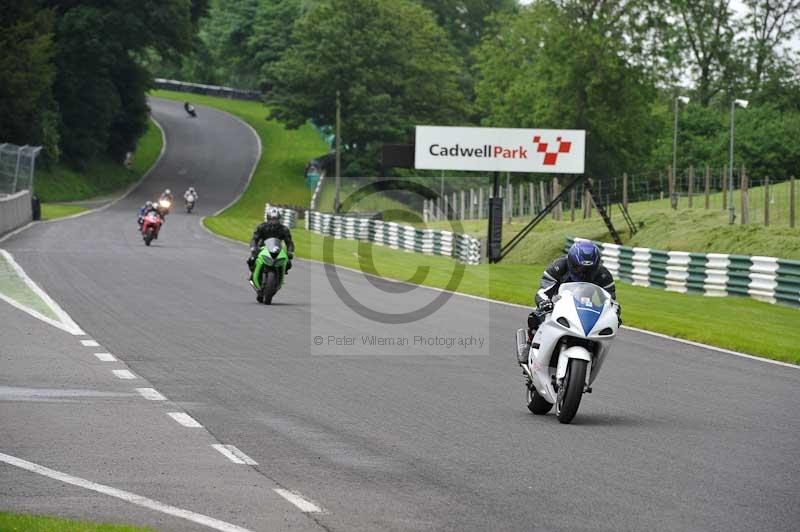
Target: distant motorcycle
{"x": 269, "y": 271}
{"x": 189, "y": 203}
{"x": 151, "y": 225}
{"x": 164, "y": 205}
{"x": 190, "y": 109}
{"x": 568, "y": 349}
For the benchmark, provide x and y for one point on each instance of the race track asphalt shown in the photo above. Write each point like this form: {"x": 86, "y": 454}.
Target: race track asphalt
{"x": 404, "y": 437}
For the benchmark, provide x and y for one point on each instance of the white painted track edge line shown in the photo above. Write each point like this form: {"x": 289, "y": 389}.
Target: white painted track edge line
{"x": 151, "y": 394}
{"x": 127, "y": 496}
{"x": 303, "y": 504}
{"x": 185, "y": 419}
{"x": 252, "y": 170}
{"x": 232, "y": 453}
{"x": 62, "y": 315}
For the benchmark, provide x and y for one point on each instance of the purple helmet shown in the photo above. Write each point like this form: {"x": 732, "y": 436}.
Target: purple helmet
{"x": 583, "y": 261}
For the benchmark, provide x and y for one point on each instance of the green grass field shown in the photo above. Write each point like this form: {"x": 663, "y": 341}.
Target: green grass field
{"x": 740, "y": 324}
{"x": 53, "y": 211}
{"x": 33, "y": 523}
{"x": 102, "y": 177}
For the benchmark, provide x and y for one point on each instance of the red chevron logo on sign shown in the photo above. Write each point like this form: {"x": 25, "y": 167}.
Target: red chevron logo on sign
{"x": 551, "y": 157}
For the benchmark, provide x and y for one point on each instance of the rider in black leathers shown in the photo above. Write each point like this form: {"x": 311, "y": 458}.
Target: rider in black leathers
{"x": 272, "y": 228}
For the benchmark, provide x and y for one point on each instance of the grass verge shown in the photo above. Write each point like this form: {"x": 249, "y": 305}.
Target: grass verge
{"x": 33, "y": 523}
{"x": 101, "y": 177}
{"x": 773, "y": 331}
{"x": 53, "y": 211}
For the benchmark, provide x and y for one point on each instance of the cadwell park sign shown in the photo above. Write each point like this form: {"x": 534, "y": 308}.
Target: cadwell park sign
{"x": 549, "y": 151}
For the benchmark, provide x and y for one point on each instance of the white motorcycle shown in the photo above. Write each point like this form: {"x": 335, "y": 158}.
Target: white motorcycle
{"x": 568, "y": 349}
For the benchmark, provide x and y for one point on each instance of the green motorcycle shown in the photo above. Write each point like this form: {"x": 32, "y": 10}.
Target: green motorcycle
{"x": 269, "y": 270}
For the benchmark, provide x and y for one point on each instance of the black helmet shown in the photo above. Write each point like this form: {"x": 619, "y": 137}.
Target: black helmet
{"x": 583, "y": 261}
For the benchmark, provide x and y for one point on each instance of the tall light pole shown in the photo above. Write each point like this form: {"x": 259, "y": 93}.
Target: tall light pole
{"x": 336, "y": 204}
{"x": 684, "y": 100}
{"x": 731, "y": 209}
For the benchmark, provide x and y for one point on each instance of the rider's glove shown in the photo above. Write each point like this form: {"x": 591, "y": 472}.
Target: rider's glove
{"x": 251, "y": 262}
{"x": 546, "y": 306}
{"x": 291, "y": 255}
{"x": 619, "y": 314}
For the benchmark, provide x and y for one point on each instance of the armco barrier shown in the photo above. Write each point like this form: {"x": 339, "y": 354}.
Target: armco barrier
{"x": 211, "y": 90}
{"x": 712, "y": 274}
{"x": 432, "y": 242}
{"x": 15, "y": 211}
{"x": 288, "y": 216}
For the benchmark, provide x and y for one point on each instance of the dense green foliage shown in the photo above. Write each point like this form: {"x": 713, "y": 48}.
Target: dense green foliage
{"x": 612, "y": 67}
{"x": 73, "y": 74}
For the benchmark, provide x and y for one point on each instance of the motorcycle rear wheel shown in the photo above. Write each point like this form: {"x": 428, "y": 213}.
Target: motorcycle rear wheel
{"x": 536, "y": 403}
{"x": 568, "y": 402}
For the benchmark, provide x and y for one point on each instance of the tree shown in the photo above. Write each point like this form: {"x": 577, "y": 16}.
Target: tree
{"x": 392, "y": 64}
{"x": 464, "y": 20}
{"x": 550, "y": 67}
{"x": 272, "y": 36}
{"x": 26, "y": 76}
{"x": 100, "y": 83}
{"x": 769, "y": 23}
{"x": 706, "y": 30}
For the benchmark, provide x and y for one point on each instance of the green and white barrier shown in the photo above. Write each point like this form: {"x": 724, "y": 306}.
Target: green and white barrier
{"x": 432, "y": 242}
{"x": 288, "y": 216}
{"x": 712, "y": 274}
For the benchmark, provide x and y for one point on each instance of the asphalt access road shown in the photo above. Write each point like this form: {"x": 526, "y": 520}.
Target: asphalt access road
{"x": 424, "y": 436}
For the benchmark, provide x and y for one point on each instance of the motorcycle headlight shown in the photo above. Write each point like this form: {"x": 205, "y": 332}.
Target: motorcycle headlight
{"x": 165, "y": 204}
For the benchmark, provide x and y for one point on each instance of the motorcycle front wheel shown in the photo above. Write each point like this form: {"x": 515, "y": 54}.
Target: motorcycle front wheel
{"x": 569, "y": 399}
{"x": 270, "y": 284}
{"x": 537, "y": 403}
{"x": 148, "y": 237}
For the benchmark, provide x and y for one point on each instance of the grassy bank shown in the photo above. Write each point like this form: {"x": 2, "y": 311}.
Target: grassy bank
{"x": 771, "y": 331}
{"x": 53, "y": 211}
{"x": 696, "y": 229}
{"x": 61, "y": 183}
{"x": 33, "y": 523}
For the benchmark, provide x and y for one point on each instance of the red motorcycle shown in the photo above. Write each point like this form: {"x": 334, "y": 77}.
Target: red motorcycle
{"x": 150, "y": 227}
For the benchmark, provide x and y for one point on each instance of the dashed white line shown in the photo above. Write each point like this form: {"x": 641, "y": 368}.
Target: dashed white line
{"x": 105, "y": 357}
{"x": 133, "y": 498}
{"x": 185, "y": 419}
{"x": 298, "y": 500}
{"x": 234, "y": 454}
{"x": 90, "y": 343}
{"x": 123, "y": 374}
{"x": 151, "y": 394}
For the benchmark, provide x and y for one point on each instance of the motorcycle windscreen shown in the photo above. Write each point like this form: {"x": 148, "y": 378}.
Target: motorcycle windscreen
{"x": 589, "y": 301}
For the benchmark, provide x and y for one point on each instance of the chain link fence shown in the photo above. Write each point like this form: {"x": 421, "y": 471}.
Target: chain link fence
{"x": 17, "y": 167}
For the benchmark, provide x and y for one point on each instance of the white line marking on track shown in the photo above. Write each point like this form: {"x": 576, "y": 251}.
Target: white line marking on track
{"x": 232, "y": 453}
{"x": 185, "y": 419}
{"x": 105, "y": 357}
{"x": 127, "y": 496}
{"x": 89, "y": 343}
{"x": 68, "y": 325}
{"x": 123, "y": 374}
{"x": 151, "y": 394}
{"x": 298, "y": 500}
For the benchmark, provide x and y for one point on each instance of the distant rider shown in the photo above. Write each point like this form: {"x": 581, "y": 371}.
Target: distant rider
{"x": 272, "y": 228}
{"x": 582, "y": 264}
{"x": 190, "y": 195}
